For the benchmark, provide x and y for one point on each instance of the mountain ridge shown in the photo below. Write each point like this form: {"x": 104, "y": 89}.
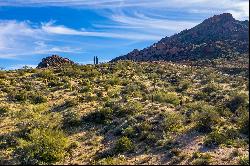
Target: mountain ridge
{"x": 217, "y": 36}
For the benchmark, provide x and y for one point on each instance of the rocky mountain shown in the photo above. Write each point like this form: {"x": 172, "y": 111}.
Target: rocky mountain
{"x": 218, "y": 36}
{"x": 54, "y": 61}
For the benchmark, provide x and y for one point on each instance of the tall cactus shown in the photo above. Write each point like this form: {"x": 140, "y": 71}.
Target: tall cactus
{"x": 94, "y": 60}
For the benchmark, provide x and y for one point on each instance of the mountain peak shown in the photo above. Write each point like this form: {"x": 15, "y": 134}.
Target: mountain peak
{"x": 54, "y": 61}
{"x": 217, "y": 36}
{"x": 224, "y": 17}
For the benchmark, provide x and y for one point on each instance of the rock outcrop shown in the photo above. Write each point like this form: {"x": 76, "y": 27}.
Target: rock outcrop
{"x": 218, "y": 36}
{"x": 54, "y": 61}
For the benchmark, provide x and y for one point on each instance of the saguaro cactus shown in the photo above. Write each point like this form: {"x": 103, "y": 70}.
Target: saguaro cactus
{"x": 96, "y": 60}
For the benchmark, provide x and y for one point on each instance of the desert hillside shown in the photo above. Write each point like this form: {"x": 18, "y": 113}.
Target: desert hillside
{"x": 126, "y": 113}
{"x": 218, "y": 36}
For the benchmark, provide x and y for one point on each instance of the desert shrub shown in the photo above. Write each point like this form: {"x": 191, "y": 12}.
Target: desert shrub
{"x": 243, "y": 122}
{"x": 37, "y": 117}
{"x": 201, "y": 159}
{"x": 55, "y": 83}
{"x": 236, "y": 102}
{"x": 110, "y": 161}
{"x": 206, "y": 119}
{"x": 172, "y": 121}
{"x": 144, "y": 129}
{"x": 175, "y": 152}
{"x": 43, "y": 146}
{"x": 191, "y": 108}
{"x": 71, "y": 103}
{"x": 101, "y": 115}
{"x": 183, "y": 86}
{"x": 130, "y": 107}
{"x": 164, "y": 97}
{"x": 210, "y": 88}
{"x": 3, "y": 111}
{"x": 131, "y": 88}
{"x": 85, "y": 89}
{"x": 123, "y": 144}
{"x": 244, "y": 160}
{"x": 215, "y": 138}
{"x": 129, "y": 132}
{"x": 71, "y": 119}
{"x": 20, "y": 96}
{"x": 151, "y": 139}
{"x": 113, "y": 81}
{"x": 2, "y": 75}
{"x": 38, "y": 98}
{"x": 47, "y": 74}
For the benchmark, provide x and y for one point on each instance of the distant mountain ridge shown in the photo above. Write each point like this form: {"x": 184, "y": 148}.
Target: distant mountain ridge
{"x": 218, "y": 36}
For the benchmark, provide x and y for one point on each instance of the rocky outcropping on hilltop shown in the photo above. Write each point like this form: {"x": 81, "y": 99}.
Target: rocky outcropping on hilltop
{"x": 54, "y": 61}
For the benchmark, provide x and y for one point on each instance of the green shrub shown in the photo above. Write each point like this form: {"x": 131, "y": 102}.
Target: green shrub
{"x": 172, "y": 122}
{"x": 20, "y": 96}
{"x": 210, "y": 88}
{"x": 55, "y": 83}
{"x": 130, "y": 108}
{"x": 71, "y": 119}
{"x": 123, "y": 144}
{"x": 111, "y": 161}
{"x": 43, "y": 146}
{"x": 236, "y": 102}
{"x": 71, "y": 103}
{"x": 129, "y": 132}
{"x": 244, "y": 160}
{"x": 85, "y": 89}
{"x": 201, "y": 159}
{"x": 38, "y": 99}
{"x": 215, "y": 138}
{"x": 243, "y": 122}
{"x": 100, "y": 116}
{"x": 3, "y": 111}
{"x": 164, "y": 97}
{"x": 114, "y": 81}
{"x": 37, "y": 117}
{"x": 46, "y": 74}
{"x": 206, "y": 119}
{"x": 183, "y": 87}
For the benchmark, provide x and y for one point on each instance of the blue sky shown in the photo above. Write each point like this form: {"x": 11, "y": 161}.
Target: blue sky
{"x": 82, "y": 29}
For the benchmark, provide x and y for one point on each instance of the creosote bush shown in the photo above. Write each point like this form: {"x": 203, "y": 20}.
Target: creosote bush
{"x": 3, "y": 110}
{"x": 43, "y": 146}
{"x": 164, "y": 97}
{"x": 237, "y": 101}
{"x": 123, "y": 144}
{"x": 71, "y": 119}
{"x": 206, "y": 119}
{"x": 173, "y": 121}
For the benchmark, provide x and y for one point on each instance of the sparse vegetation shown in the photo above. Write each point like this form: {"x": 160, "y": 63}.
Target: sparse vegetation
{"x": 123, "y": 113}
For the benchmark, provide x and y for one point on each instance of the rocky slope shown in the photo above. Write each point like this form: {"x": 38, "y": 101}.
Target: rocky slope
{"x": 54, "y": 61}
{"x": 218, "y": 36}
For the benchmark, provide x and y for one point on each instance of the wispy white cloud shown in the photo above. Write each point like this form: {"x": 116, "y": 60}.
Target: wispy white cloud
{"x": 21, "y": 38}
{"x": 62, "y": 30}
{"x": 139, "y": 20}
{"x": 239, "y": 8}
{"x": 18, "y": 39}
